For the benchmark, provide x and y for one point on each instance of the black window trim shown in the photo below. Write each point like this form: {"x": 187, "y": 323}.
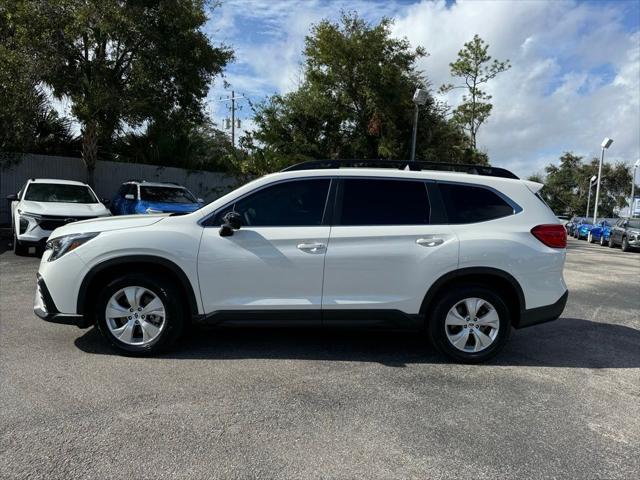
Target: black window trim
{"x": 326, "y": 214}
{"x": 516, "y": 208}
{"x": 333, "y": 202}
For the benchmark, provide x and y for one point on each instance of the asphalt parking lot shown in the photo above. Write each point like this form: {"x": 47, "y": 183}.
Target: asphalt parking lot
{"x": 563, "y": 399}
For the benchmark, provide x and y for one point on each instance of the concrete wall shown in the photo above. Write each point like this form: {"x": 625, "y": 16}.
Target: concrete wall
{"x": 108, "y": 177}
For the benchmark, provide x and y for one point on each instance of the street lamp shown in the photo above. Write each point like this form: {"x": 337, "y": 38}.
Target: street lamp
{"x": 593, "y": 179}
{"x": 420, "y": 97}
{"x": 606, "y": 143}
{"x": 633, "y": 186}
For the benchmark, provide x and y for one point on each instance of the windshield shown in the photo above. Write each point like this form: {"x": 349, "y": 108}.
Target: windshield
{"x": 166, "y": 195}
{"x": 634, "y": 223}
{"x": 59, "y": 192}
{"x": 586, "y": 222}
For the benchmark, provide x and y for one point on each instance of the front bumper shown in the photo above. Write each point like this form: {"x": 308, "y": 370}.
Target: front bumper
{"x": 534, "y": 316}
{"x": 46, "y": 309}
{"x": 633, "y": 239}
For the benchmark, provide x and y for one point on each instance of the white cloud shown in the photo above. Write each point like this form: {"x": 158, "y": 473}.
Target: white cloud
{"x": 575, "y": 75}
{"x": 551, "y": 100}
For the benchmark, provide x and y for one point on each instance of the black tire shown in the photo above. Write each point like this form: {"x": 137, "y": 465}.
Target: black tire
{"x": 18, "y": 248}
{"x": 590, "y": 238}
{"x": 436, "y": 327}
{"x": 602, "y": 242}
{"x": 625, "y": 244}
{"x": 611, "y": 242}
{"x": 170, "y": 295}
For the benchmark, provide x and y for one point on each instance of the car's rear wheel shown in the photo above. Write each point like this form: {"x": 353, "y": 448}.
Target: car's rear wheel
{"x": 611, "y": 242}
{"x": 18, "y": 248}
{"x": 139, "y": 314}
{"x": 625, "y": 244}
{"x": 590, "y": 238}
{"x": 602, "y": 242}
{"x": 470, "y": 324}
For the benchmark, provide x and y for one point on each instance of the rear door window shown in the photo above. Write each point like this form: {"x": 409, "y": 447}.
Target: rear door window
{"x": 383, "y": 202}
{"x": 472, "y": 204}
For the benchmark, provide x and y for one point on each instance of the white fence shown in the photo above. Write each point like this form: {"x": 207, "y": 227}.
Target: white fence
{"x": 108, "y": 177}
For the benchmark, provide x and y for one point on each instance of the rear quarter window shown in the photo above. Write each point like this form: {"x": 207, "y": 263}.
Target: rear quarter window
{"x": 473, "y": 204}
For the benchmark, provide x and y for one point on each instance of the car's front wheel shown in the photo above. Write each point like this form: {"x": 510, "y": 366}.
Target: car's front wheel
{"x": 590, "y": 238}
{"x": 611, "y": 242}
{"x": 602, "y": 241}
{"x": 625, "y": 244}
{"x": 470, "y": 324}
{"x": 140, "y": 314}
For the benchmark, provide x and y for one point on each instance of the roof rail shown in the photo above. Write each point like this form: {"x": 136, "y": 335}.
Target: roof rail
{"x": 404, "y": 165}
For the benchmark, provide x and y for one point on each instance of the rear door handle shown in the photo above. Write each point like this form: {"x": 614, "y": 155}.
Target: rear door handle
{"x": 429, "y": 242}
{"x": 311, "y": 247}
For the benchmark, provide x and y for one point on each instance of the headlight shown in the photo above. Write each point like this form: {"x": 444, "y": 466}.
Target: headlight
{"x": 153, "y": 210}
{"x": 62, "y": 245}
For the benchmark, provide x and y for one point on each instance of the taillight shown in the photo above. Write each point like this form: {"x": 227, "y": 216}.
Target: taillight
{"x": 552, "y": 235}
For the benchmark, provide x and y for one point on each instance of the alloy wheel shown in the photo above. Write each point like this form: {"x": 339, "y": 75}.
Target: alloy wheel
{"x": 135, "y": 315}
{"x": 472, "y": 325}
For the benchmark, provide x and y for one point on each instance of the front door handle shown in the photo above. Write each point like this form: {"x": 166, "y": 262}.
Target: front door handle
{"x": 311, "y": 247}
{"x": 429, "y": 242}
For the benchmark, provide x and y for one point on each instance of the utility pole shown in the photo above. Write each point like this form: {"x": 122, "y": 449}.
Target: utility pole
{"x": 233, "y": 107}
{"x": 233, "y": 119}
{"x": 606, "y": 143}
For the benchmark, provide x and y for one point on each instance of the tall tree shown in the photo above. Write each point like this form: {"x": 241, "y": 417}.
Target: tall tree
{"x": 354, "y": 101}
{"x": 475, "y": 67}
{"x": 28, "y": 122}
{"x": 120, "y": 62}
{"x": 176, "y": 141}
{"x": 566, "y": 187}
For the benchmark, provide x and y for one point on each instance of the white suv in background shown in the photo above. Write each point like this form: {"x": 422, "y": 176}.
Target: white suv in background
{"x": 464, "y": 256}
{"x": 43, "y": 204}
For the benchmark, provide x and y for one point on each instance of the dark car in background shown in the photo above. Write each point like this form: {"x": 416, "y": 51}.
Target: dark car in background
{"x": 626, "y": 233}
{"x": 135, "y": 197}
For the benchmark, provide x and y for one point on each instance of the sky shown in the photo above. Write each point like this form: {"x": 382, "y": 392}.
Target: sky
{"x": 575, "y": 75}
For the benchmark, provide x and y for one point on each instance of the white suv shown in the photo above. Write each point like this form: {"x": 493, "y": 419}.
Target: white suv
{"x": 44, "y": 204}
{"x": 465, "y": 257}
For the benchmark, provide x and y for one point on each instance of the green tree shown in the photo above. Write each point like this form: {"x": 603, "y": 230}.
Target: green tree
{"x": 354, "y": 101}
{"x": 28, "y": 122}
{"x": 566, "y": 188}
{"x": 120, "y": 63}
{"x": 475, "y": 68}
{"x": 176, "y": 140}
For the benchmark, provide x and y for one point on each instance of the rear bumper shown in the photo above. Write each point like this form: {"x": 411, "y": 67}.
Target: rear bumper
{"x": 46, "y": 309}
{"x": 534, "y": 316}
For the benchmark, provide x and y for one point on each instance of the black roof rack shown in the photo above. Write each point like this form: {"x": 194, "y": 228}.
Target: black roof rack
{"x": 404, "y": 165}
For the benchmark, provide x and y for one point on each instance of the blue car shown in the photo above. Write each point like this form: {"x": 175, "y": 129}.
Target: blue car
{"x": 601, "y": 232}
{"x": 135, "y": 197}
{"x": 582, "y": 228}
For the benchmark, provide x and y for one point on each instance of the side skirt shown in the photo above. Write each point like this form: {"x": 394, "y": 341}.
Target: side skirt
{"x": 383, "y": 319}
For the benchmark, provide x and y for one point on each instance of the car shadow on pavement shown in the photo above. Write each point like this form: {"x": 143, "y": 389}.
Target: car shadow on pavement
{"x": 567, "y": 343}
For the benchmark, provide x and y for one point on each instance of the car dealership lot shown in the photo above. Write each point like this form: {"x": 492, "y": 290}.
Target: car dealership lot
{"x": 563, "y": 399}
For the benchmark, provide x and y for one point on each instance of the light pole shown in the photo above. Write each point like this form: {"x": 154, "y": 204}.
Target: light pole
{"x": 420, "y": 97}
{"x": 593, "y": 179}
{"x": 606, "y": 143}
{"x": 633, "y": 186}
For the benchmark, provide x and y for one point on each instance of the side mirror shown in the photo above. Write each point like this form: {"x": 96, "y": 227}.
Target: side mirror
{"x": 200, "y": 200}
{"x": 13, "y": 197}
{"x": 129, "y": 196}
{"x": 231, "y": 221}
{"x": 105, "y": 201}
